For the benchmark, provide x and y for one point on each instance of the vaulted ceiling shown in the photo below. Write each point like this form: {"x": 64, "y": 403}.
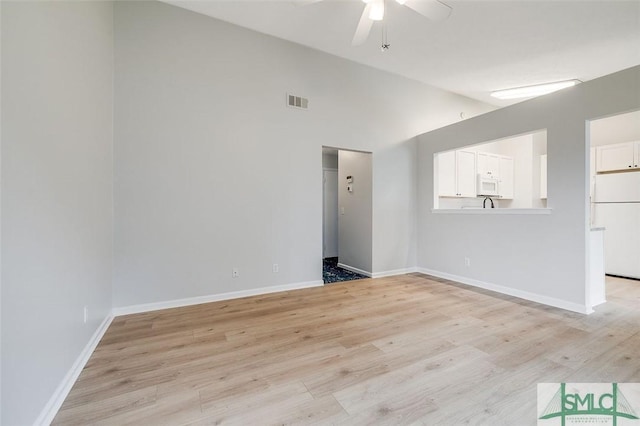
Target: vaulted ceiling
{"x": 483, "y": 46}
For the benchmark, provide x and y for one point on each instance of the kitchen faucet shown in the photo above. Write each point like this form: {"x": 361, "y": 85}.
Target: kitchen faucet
{"x": 485, "y": 202}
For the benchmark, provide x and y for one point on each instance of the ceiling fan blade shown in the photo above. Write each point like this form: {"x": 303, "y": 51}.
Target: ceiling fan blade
{"x": 431, "y": 9}
{"x": 364, "y": 27}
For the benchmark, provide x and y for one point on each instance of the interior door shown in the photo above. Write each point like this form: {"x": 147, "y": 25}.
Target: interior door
{"x": 330, "y": 214}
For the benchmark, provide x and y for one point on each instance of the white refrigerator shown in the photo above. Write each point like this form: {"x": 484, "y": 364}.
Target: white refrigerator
{"x": 617, "y": 209}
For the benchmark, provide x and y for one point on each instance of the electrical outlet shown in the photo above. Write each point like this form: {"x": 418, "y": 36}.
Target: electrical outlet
{"x": 467, "y": 261}
{"x": 235, "y": 273}
{"x": 276, "y": 268}
{"x": 86, "y": 314}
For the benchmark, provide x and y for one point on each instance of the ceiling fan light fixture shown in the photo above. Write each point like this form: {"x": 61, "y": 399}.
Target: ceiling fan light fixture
{"x": 533, "y": 91}
{"x": 377, "y": 10}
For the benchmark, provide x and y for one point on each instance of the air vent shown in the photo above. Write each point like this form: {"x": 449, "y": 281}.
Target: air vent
{"x": 297, "y": 102}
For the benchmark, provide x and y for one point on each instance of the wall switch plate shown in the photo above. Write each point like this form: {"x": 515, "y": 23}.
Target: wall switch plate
{"x": 342, "y": 210}
{"x": 235, "y": 273}
{"x": 85, "y": 313}
{"x": 276, "y": 268}
{"x": 467, "y": 261}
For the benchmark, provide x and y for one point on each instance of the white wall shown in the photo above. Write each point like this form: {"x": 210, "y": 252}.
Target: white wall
{"x": 214, "y": 171}
{"x": 57, "y": 100}
{"x": 355, "y": 210}
{"x": 617, "y": 129}
{"x": 538, "y": 256}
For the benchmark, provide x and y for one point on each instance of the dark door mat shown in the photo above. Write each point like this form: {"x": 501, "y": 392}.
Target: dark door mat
{"x": 332, "y": 273}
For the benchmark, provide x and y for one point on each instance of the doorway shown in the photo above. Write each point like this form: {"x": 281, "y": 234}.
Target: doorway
{"x": 330, "y": 213}
{"x": 346, "y": 215}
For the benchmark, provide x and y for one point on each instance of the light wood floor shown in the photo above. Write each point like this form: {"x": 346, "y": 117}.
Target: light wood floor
{"x": 410, "y": 349}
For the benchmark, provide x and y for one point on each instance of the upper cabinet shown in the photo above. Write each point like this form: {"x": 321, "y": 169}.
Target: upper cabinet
{"x": 620, "y": 156}
{"x": 498, "y": 167}
{"x": 503, "y": 170}
{"x": 447, "y": 174}
{"x": 488, "y": 164}
{"x": 466, "y": 162}
{"x": 457, "y": 174}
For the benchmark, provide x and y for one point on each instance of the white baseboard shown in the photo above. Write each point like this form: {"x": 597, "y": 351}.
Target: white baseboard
{"x": 177, "y": 303}
{"x": 533, "y": 297}
{"x": 393, "y": 272}
{"x": 55, "y": 402}
{"x": 356, "y": 270}
{"x": 381, "y": 274}
{"x": 50, "y": 410}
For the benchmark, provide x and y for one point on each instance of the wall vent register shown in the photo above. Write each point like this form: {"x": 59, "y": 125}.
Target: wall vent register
{"x": 297, "y": 102}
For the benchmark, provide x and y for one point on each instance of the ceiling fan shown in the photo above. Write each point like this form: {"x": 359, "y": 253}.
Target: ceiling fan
{"x": 374, "y": 11}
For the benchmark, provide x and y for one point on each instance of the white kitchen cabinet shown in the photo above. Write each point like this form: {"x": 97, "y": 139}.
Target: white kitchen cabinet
{"x": 466, "y": 173}
{"x": 505, "y": 189}
{"x": 619, "y": 156}
{"x": 543, "y": 176}
{"x": 447, "y": 174}
{"x": 457, "y": 174}
{"x": 498, "y": 167}
{"x": 488, "y": 164}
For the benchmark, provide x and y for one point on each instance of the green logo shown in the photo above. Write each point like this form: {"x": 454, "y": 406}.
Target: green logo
{"x": 581, "y": 402}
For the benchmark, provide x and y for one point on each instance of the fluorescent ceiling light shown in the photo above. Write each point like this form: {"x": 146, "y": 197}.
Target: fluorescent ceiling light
{"x": 532, "y": 91}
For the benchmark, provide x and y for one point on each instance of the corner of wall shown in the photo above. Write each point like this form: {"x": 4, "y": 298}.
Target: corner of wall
{"x": 50, "y": 410}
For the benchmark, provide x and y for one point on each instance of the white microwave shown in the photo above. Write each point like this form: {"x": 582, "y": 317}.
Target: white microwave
{"x": 487, "y": 185}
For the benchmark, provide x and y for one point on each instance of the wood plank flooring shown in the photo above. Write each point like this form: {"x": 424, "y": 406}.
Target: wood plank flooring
{"x": 409, "y": 349}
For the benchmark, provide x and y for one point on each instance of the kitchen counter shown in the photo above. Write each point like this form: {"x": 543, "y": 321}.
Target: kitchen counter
{"x": 490, "y": 211}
